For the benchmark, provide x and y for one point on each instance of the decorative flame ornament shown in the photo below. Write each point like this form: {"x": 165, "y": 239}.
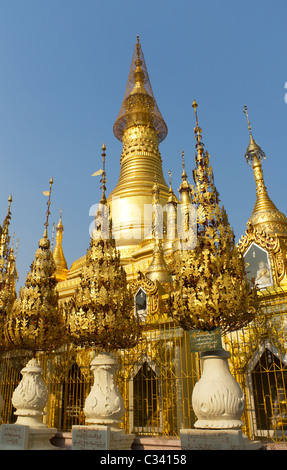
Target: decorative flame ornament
{"x": 211, "y": 289}
{"x": 101, "y": 315}
{"x": 36, "y": 323}
{"x": 211, "y": 294}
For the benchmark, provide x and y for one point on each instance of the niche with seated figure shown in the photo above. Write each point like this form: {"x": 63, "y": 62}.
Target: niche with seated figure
{"x": 257, "y": 266}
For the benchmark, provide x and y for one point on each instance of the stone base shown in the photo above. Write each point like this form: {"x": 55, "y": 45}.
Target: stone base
{"x": 39, "y": 438}
{"x": 120, "y": 440}
{"x": 219, "y": 439}
{"x": 100, "y": 437}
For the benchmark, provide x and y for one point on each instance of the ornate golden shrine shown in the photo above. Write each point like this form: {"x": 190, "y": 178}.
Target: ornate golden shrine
{"x": 157, "y": 376}
{"x": 258, "y": 352}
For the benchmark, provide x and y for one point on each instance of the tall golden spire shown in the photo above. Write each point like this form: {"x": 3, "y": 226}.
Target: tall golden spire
{"x": 184, "y": 188}
{"x": 140, "y": 127}
{"x": 48, "y": 211}
{"x": 265, "y": 214}
{"x": 58, "y": 254}
{"x": 103, "y": 179}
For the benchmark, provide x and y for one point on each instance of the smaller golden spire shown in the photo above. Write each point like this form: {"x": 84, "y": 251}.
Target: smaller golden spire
{"x": 184, "y": 188}
{"x": 265, "y": 214}
{"x": 5, "y": 238}
{"x": 58, "y": 254}
{"x": 171, "y": 198}
{"x": 103, "y": 179}
{"x": 45, "y": 236}
{"x": 158, "y": 269}
{"x": 253, "y": 149}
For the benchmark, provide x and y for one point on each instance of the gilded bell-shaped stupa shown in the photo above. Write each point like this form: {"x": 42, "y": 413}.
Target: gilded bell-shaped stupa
{"x": 140, "y": 127}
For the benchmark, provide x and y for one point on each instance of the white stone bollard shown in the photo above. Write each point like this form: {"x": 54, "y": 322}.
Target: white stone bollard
{"x": 30, "y": 399}
{"x": 104, "y": 409}
{"x": 217, "y": 399}
{"x": 104, "y": 404}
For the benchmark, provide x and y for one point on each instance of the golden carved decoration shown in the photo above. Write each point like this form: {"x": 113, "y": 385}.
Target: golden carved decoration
{"x": 211, "y": 289}
{"x": 36, "y": 321}
{"x": 101, "y": 312}
{"x": 8, "y": 274}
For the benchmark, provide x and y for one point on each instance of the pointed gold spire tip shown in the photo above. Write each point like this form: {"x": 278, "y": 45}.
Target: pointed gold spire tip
{"x": 253, "y": 150}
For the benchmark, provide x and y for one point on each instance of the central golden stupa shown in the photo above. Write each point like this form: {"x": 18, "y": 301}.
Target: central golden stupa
{"x": 140, "y": 127}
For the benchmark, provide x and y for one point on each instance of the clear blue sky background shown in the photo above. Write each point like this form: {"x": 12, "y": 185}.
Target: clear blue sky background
{"x": 64, "y": 68}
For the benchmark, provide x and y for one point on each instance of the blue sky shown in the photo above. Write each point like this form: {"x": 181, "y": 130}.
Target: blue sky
{"x": 64, "y": 68}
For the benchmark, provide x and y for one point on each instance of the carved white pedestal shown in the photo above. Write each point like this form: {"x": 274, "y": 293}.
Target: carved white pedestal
{"x": 30, "y": 399}
{"x": 218, "y": 403}
{"x": 104, "y": 407}
{"x": 217, "y": 399}
{"x": 104, "y": 404}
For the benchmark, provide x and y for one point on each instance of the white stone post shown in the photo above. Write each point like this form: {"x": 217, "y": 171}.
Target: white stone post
{"x": 104, "y": 409}
{"x": 218, "y": 402}
{"x": 217, "y": 399}
{"x": 104, "y": 404}
{"x": 30, "y": 399}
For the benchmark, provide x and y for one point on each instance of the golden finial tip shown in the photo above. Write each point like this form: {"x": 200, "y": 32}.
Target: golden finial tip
{"x": 103, "y": 147}
{"x": 10, "y": 198}
{"x": 246, "y": 113}
{"x": 194, "y": 104}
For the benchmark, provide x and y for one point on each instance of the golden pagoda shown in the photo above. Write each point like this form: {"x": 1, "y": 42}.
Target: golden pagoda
{"x": 156, "y": 377}
{"x": 140, "y": 127}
